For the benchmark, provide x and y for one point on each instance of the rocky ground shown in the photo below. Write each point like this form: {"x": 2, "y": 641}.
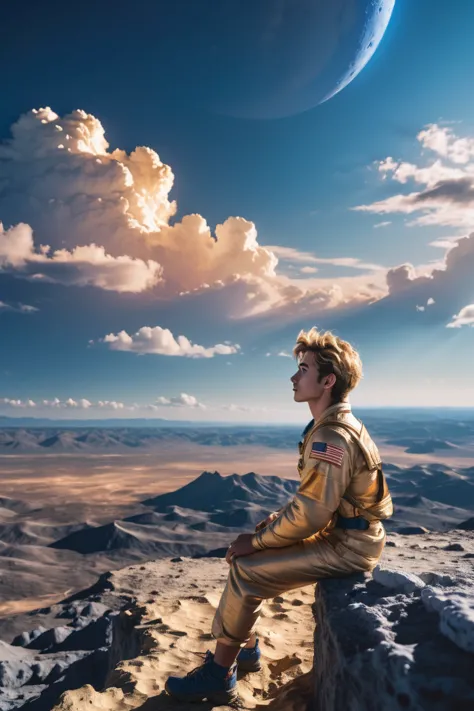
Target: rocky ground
{"x": 114, "y": 645}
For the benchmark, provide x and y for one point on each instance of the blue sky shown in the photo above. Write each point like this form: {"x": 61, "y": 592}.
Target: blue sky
{"x": 379, "y": 176}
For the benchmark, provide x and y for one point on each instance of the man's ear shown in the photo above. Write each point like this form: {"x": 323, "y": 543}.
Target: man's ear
{"x": 330, "y": 381}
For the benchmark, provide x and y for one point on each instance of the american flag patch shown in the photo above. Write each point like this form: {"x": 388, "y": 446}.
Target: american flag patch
{"x": 327, "y": 453}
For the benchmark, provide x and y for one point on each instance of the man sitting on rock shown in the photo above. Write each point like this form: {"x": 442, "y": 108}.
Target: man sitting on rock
{"x": 330, "y": 528}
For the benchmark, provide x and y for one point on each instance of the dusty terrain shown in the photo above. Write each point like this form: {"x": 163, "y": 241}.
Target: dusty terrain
{"x": 78, "y": 503}
{"x": 161, "y": 613}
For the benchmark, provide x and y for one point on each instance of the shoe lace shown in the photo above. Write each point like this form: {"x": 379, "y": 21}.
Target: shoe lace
{"x": 207, "y": 656}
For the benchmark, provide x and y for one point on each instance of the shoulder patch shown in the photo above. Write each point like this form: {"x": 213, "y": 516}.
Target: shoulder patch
{"x": 327, "y": 452}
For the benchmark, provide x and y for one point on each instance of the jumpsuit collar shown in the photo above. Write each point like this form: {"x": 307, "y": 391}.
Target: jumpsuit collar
{"x": 332, "y": 410}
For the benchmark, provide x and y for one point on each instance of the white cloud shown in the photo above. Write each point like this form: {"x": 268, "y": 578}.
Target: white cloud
{"x": 448, "y": 194}
{"x": 19, "y": 308}
{"x": 112, "y": 405}
{"x": 464, "y": 318}
{"x": 381, "y": 224}
{"x": 242, "y": 408}
{"x": 69, "y": 403}
{"x": 445, "y": 242}
{"x": 82, "y": 266}
{"x": 290, "y": 254}
{"x": 429, "y": 302}
{"x": 160, "y": 341}
{"x": 280, "y": 354}
{"x": 446, "y": 283}
{"x": 402, "y": 172}
{"x": 56, "y": 402}
{"x": 10, "y": 402}
{"x": 442, "y": 140}
{"x": 83, "y": 403}
{"x": 105, "y": 216}
{"x": 182, "y": 400}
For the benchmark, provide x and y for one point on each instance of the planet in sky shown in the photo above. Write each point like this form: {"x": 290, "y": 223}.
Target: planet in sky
{"x": 275, "y": 58}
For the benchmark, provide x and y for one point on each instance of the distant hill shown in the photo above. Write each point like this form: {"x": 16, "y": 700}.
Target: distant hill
{"x": 82, "y": 440}
{"x": 415, "y": 510}
{"x": 13, "y": 422}
{"x": 192, "y": 520}
{"x": 47, "y": 549}
{"x": 436, "y": 482}
{"x": 418, "y": 432}
{"x": 110, "y": 422}
{"x": 213, "y": 492}
{"x": 414, "y": 445}
{"x": 14, "y": 505}
{"x": 204, "y": 515}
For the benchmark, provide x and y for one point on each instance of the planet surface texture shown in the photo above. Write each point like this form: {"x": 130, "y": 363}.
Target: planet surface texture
{"x": 275, "y": 58}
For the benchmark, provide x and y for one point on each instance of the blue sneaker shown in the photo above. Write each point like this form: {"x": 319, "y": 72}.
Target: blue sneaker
{"x": 248, "y": 660}
{"x": 209, "y": 681}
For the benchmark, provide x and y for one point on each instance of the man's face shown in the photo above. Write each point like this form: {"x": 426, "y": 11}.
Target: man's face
{"x": 305, "y": 380}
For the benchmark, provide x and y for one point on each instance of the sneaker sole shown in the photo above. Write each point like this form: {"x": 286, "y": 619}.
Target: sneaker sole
{"x": 249, "y": 666}
{"x": 219, "y": 698}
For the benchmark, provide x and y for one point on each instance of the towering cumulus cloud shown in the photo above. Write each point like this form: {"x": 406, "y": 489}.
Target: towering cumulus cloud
{"x": 82, "y": 265}
{"x": 104, "y": 218}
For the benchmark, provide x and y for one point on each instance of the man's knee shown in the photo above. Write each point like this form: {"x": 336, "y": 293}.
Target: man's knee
{"x": 241, "y": 566}
{"x": 237, "y": 568}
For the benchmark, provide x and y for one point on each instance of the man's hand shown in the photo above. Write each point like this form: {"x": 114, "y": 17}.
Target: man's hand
{"x": 241, "y": 546}
{"x": 267, "y": 521}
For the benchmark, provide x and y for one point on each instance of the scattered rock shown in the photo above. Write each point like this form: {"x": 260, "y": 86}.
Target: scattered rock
{"x": 398, "y": 580}
{"x": 412, "y": 530}
{"x": 456, "y": 614}
{"x": 385, "y": 652}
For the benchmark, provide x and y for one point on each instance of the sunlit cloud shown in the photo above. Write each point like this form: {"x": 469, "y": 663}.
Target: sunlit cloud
{"x": 464, "y": 318}
{"x": 447, "y": 197}
{"x": 55, "y": 403}
{"x": 87, "y": 265}
{"x": 279, "y": 354}
{"x": 160, "y": 341}
{"x": 429, "y": 303}
{"x": 18, "y": 308}
{"x": 182, "y": 400}
{"x": 443, "y": 141}
{"x": 290, "y": 254}
{"x": 17, "y": 403}
{"x": 101, "y": 217}
{"x": 113, "y": 405}
{"x": 243, "y": 408}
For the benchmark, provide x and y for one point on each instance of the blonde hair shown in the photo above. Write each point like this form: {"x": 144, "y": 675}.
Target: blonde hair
{"x": 332, "y": 355}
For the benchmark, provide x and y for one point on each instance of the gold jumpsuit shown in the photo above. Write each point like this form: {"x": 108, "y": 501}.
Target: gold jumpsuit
{"x": 340, "y": 472}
